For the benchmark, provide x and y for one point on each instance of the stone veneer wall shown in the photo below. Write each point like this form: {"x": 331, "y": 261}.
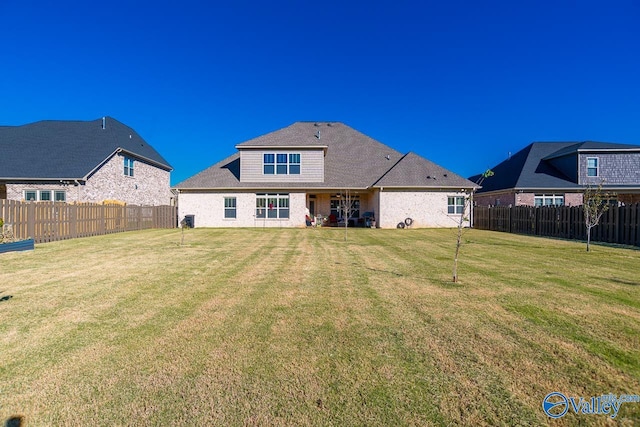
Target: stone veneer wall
{"x": 148, "y": 187}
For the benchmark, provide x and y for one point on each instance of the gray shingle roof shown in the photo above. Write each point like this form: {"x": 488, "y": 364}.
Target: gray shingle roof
{"x": 353, "y": 160}
{"x": 416, "y": 171}
{"x": 529, "y": 168}
{"x": 68, "y": 149}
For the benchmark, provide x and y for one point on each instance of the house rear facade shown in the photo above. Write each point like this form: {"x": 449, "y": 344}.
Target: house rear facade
{"x": 557, "y": 173}
{"x": 308, "y": 169}
{"x": 81, "y": 161}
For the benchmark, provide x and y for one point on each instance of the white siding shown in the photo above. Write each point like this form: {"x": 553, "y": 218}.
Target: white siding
{"x": 311, "y": 166}
{"x": 426, "y": 208}
{"x": 208, "y": 210}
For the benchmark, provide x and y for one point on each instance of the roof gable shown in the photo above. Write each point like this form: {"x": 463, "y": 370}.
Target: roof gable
{"x": 591, "y": 146}
{"x": 539, "y": 165}
{"x": 352, "y": 160}
{"x": 68, "y": 149}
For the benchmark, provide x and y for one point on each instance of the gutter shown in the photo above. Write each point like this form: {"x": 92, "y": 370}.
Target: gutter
{"x": 146, "y": 159}
{"x": 265, "y": 188}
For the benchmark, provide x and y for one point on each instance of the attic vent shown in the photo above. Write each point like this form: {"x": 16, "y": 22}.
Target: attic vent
{"x": 329, "y": 124}
{"x": 316, "y": 125}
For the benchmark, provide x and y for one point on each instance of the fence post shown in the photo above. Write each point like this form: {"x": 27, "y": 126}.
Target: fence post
{"x": 31, "y": 221}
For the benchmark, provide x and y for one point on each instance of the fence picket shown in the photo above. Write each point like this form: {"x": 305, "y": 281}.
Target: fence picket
{"x": 50, "y": 221}
{"x": 620, "y": 224}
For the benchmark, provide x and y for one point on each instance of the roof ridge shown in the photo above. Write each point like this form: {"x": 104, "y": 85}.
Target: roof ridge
{"x": 390, "y": 169}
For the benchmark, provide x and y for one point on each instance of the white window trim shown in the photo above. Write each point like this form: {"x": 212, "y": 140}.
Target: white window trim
{"x": 129, "y": 169}
{"x": 553, "y": 197}
{"x": 277, "y": 207}
{"x": 39, "y": 193}
{"x": 597, "y": 167}
{"x": 228, "y": 208}
{"x": 286, "y": 164}
{"x": 455, "y": 205}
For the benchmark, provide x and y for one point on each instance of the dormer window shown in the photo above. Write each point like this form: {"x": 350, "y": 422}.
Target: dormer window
{"x": 592, "y": 166}
{"x": 281, "y": 164}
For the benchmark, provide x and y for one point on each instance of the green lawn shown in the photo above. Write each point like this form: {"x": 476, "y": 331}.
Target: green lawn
{"x": 299, "y": 327}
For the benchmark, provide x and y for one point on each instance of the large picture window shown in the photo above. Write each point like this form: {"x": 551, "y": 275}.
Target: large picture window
{"x": 281, "y": 164}
{"x": 455, "y": 205}
{"x": 272, "y": 206}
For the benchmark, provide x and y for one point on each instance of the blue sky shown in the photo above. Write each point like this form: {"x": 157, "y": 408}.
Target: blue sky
{"x": 462, "y": 83}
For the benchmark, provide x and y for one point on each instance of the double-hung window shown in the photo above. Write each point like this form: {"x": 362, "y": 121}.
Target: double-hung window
{"x": 294, "y": 164}
{"x": 269, "y": 164}
{"x": 128, "y": 166}
{"x": 229, "y": 207}
{"x": 31, "y": 195}
{"x": 282, "y": 167}
{"x": 592, "y": 166}
{"x": 60, "y": 196}
{"x": 455, "y": 205}
{"x": 272, "y": 206}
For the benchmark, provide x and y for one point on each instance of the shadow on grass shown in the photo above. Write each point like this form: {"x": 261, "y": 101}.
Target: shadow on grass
{"x": 625, "y": 282}
{"x": 394, "y": 273}
{"x": 15, "y": 421}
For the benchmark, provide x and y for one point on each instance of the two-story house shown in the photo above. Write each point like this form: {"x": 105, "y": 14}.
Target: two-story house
{"x": 308, "y": 169}
{"x": 81, "y": 161}
{"x": 557, "y": 173}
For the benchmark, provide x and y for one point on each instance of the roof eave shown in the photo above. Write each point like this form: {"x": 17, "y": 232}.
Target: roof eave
{"x": 10, "y": 178}
{"x": 146, "y": 159}
{"x": 439, "y": 187}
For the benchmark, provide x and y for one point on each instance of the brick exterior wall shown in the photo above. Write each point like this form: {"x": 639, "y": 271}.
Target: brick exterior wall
{"x": 426, "y": 208}
{"x": 208, "y": 210}
{"x": 148, "y": 187}
{"x": 522, "y": 199}
{"x": 573, "y": 199}
{"x": 501, "y": 199}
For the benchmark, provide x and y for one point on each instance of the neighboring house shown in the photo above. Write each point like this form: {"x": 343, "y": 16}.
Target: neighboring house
{"x": 81, "y": 161}
{"x": 557, "y": 173}
{"x": 274, "y": 179}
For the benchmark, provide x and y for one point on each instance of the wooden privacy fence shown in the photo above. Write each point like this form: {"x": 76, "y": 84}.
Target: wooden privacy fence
{"x": 50, "y": 221}
{"x": 620, "y": 224}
